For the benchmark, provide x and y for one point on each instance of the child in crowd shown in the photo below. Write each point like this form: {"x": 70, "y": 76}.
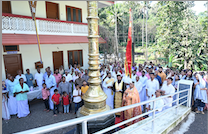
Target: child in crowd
{"x": 3, "y": 85}
{"x": 77, "y": 97}
{"x": 56, "y": 99}
{"x": 66, "y": 102}
{"x": 84, "y": 89}
{"x": 45, "y": 94}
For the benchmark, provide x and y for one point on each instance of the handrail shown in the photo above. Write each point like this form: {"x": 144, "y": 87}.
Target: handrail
{"x": 141, "y": 115}
{"x": 71, "y": 122}
{"x": 166, "y": 111}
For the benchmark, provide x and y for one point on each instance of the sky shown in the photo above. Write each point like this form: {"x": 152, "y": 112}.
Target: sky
{"x": 199, "y": 6}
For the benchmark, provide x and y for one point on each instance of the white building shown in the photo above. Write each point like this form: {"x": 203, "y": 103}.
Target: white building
{"x": 62, "y": 29}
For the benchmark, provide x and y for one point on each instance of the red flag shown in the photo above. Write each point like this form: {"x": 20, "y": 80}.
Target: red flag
{"x": 128, "y": 60}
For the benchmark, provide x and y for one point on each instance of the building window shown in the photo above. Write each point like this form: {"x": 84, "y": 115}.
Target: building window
{"x": 11, "y": 48}
{"x": 73, "y": 14}
{"x": 52, "y": 10}
{"x": 75, "y": 56}
{"x": 6, "y": 7}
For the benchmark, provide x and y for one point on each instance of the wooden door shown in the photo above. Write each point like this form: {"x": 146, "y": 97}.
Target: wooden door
{"x": 12, "y": 63}
{"x": 52, "y": 10}
{"x": 6, "y": 7}
{"x": 76, "y": 55}
{"x": 57, "y": 59}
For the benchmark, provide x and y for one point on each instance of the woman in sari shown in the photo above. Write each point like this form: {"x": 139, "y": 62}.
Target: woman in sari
{"x": 131, "y": 96}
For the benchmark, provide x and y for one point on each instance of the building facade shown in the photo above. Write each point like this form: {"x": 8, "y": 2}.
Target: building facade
{"x": 62, "y": 28}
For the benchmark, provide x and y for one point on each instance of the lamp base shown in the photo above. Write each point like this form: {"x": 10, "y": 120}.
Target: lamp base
{"x": 97, "y": 124}
{"x": 86, "y": 111}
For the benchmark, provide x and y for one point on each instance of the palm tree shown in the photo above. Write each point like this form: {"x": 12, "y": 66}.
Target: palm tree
{"x": 114, "y": 14}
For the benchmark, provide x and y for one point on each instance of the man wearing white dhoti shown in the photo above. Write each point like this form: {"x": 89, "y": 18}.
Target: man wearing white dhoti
{"x": 152, "y": 86}
{"x": 12, "y": 102}
{"x": 143, "y": 79}
{"x": 39, "y": 79}
{"x": 20, "y": 91}
{"x": 50, "y": 82}
{"x": 5, "y": 110}
{"x": 168, "y": 89}
{"x": 139, "y": 86}
{"x": 107, "y": 88}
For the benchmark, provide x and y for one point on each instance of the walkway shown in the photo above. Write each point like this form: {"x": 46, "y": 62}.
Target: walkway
{"x": 199, "y": 126}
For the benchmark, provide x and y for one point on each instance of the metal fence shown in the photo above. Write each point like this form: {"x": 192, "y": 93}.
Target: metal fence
{"x": 85, "y": 119}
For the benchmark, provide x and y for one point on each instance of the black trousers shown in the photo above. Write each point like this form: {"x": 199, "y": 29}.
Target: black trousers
{"x": 56, "y": 107}
{"x": 46, "y": 103}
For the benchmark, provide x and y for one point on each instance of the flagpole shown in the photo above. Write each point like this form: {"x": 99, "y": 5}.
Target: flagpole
{"x": 32, "y": 5}
{"x": 37, "y": 38}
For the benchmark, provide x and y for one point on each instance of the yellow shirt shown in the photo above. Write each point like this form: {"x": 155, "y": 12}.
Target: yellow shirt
{"x": 163, "y": 76}
{"x": 84, "y": 89}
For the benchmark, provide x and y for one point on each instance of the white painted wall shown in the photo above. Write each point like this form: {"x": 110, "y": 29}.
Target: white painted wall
{"x": 22, "y": 8}
{"x": 30, "y": 55}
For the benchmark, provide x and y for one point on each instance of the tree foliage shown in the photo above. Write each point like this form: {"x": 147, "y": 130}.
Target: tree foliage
{"x": 174, "y": 30}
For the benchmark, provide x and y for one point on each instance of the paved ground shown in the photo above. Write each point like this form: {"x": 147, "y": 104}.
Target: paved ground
{"x": 199, "y": 126}
{"x": 37, "y": 118}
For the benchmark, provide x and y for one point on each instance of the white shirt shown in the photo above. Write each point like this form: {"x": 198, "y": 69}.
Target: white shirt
{"x": 78, "y": 98}
{"x": 68, "y": 77}
{"x": 139, "y": 86}
{"x": 114, "y": 75}
{"x": 152, "y": 86}
{"x": 126, "y": 79}
{"x": 76, "y": 69}
{"x": 133, "y": 77}
{"x": 39, "y": 78}
{"x": 169, "y": 89}
{"x": 105, "y": 85}
{"x": 158, "y": 104}
{"x": 22, "y": 76}
{"x": 102, "y": 73}
{"x": 75, "y": 77}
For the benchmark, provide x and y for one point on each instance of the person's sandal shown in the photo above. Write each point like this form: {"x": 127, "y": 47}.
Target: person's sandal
{"x": 197, "y": 112}
{"x": 202, "y": 112}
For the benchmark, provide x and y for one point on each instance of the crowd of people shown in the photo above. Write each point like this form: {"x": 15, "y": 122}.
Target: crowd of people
{"x": 61, "y": 87}
{"x": 64, "y": 87}
{"x": 149, "y": 81}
